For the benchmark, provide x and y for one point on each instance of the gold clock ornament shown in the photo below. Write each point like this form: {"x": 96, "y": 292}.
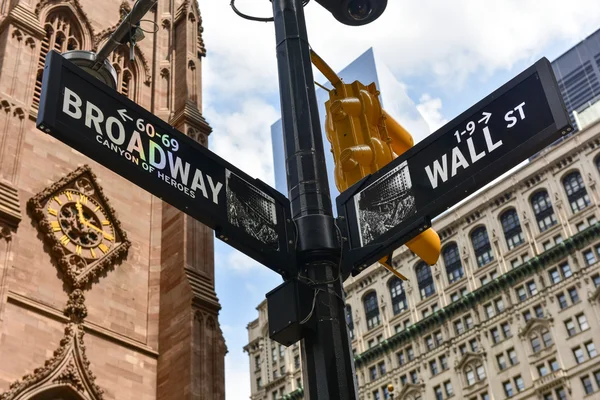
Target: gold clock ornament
{"x": 80, "y": 226}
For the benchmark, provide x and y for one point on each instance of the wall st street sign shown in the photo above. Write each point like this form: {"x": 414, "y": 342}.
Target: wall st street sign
{"x": 106, "y": 126}
{"x": 390, "y": 207}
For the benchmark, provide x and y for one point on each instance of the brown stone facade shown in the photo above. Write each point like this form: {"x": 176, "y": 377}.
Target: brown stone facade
{"x": 134, "y": 315}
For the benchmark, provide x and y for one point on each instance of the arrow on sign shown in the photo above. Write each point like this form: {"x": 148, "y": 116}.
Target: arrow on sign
{"x": 486, "y": 117}
{"x": 123, "y": 113}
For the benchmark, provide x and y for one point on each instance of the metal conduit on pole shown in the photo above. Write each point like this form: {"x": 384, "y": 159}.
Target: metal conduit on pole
{"x": 140, "y": 8}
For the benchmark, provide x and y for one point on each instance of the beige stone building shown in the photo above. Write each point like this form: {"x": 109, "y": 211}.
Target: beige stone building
{"x": 126, "y": 310}
{"x": 511, "y": 309}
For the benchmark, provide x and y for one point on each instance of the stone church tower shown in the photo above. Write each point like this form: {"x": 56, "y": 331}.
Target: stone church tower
{"x": 123, "y": 306}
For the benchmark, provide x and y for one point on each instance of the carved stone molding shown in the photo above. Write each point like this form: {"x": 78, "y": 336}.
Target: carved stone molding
{"x": 79, "y": 272}
{"x": 75, "y": 309}
{"x": 68, "y": 367}
{"x": 44, "y": 7}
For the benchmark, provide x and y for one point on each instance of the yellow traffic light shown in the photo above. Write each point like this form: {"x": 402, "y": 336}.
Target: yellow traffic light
{"x": 364, "y": 138}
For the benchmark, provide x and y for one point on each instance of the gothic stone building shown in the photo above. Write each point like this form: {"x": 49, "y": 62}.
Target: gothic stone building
{"x": 126, "y": 310}
{"x": 510, "y": 311}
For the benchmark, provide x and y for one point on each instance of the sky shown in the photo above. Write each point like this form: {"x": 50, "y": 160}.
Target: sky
{"x": 448, "y": 54}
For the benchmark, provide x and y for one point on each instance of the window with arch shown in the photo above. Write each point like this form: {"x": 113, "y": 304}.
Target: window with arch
{"x": 398, "y": 295}
{"x": 454, "y": 267}
{"x": 576, "y": 191}
{"x": 425, "y": 280}
{"x": 349, "y": 321}
{"x": 62, "y": 34}
{"x": 126, "y": 76}
{"x": 482, "y": 247}
{"x": 512, "y": 228}
{"x": 540, "y": 339}
{"x": 371, "y": 310}
{"x": 542, "y": 208}
{"x": 474, "y": 372}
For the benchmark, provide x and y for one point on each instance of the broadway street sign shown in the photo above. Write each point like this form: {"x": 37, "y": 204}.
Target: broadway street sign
{"x": 106, "y": 126}
{"x": 390, "y": 207}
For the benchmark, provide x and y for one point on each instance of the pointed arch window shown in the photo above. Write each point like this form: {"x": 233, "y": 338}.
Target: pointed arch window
{"x": 576, "y": 191}
{"x": 542, "y": 208}
{"x": 482, "y": 247}
{"x": 398, "y": 295}
{"x": 62, "y": 34}
{"x": 512, "y": 228}
{"x": 454, "y": 267}
{"x": 126, "y": 76}
{"x": 425, "y": 280}
{"x": 349, "y": 321}
{"x": 371, "y": 309}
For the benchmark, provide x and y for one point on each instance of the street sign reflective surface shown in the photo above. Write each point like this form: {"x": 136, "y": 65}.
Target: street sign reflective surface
{"x": 390, "y": 207}
{"x": 106, "y": 126}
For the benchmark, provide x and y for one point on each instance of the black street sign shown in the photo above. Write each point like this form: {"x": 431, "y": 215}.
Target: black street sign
{"x": 106, "y": 126}
{"x": 386, "y": 209}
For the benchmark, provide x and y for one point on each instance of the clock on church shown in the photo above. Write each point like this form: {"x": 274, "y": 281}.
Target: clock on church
{"x": 80, "y": 226}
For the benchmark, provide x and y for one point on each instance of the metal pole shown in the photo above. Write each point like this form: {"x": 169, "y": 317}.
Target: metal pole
{"x": 140, "y": 8}
{"x": 327, "y": 364}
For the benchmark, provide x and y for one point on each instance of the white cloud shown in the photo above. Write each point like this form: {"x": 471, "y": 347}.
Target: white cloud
{"x": 448, "y": 39}
{"x": 243, "y": 137}
{"x": 237, "y": 380}
{"x": 430, "y": 108}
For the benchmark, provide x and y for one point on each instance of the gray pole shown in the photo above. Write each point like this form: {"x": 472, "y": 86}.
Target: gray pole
{"x": 327, "y": 362}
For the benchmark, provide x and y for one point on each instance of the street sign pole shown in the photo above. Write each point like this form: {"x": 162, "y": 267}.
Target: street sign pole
{"x": 327, "y": 364}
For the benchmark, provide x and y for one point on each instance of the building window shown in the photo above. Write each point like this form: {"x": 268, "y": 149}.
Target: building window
{"x": 547, "y": 338}
{"x": 482, "y": 247}
{"x": 542, "y": 208}
{"x": 470, "y": 376}
{"x": 398, "y": 295}
{"x": 512, "y": 356}
{"x": 587, "y": 384}
{"x": 376, "y": 395}
{"x": 450, "y": 390}
{"x": 562, "y": 300}
{"x": 258, "y": 383}
{"x": 508, "y": 389}
{"x": 382, "y": 368}
{"x": 433, "y": 367}
{"x": 536, "y": 345}
{"x": 576, "y": 191}
{"x": 582, "y": 320}
{"x": 425, "y": 280}
{"x": 519, "y": 383}
{"x": 371, "y": 309}
{"x": 590, "y": 257}
{"x": 512, "y": 228}
{"x": 349, "y": 321}
{"x": 591, "y": 349}
{"x": 444, "y": 362}
{"x": 401, "y": 358}
{"x": 439, "y": 395}
{"x": 454, "y": 267}
{"x": 495, "y": 335}
{"x": 62, "y": 34}
{"x": 506, "y": 330}
{"x": 501, "y": 361}
{"x": 373, "y": 372}
{"x": 410, "y": 354}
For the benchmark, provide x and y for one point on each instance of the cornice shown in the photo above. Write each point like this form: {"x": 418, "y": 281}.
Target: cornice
{"x": 26, "y": 20}
{"x": 486, "y": 292}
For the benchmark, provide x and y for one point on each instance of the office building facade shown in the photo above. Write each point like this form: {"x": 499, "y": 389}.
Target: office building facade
{"x": 510, "y": 310}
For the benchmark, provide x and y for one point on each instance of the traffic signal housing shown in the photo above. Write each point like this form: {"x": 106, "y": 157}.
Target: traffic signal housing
{"x": 355, "y": 12}
{"x": 364, "y": 138}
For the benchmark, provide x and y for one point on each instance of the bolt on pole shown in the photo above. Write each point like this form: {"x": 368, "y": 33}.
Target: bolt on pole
{"x": 328, "y": 367}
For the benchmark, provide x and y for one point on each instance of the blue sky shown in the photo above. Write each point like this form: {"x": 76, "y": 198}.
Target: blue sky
{"x": 449, "y": 55}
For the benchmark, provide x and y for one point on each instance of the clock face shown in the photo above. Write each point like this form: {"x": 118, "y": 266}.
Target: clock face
{"x": 80, "y": 224}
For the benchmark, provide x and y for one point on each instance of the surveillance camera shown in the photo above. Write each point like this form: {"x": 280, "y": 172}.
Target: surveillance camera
{"x": 355, "y": 12}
